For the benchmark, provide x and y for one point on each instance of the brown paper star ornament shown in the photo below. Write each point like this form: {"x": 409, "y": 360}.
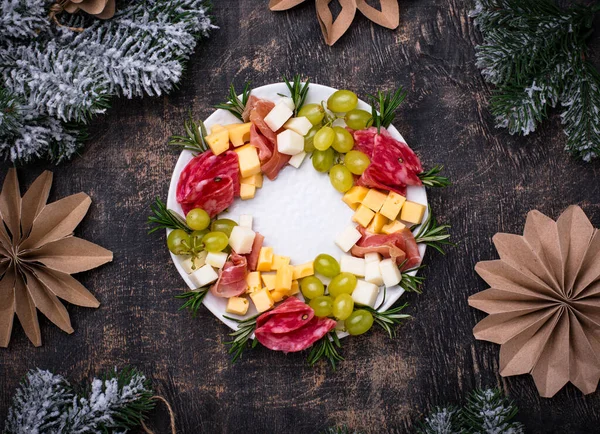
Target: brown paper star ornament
{"x": 544, "y": 302}
{"x": 38, "y": 254}
{"x": 387, "y": 16}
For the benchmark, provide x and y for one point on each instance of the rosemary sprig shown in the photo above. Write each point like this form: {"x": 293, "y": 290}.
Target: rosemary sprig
{"x": 388, "y": 319}
{"x": 164, "y": 218}
{"x": 384, "y": 106}
{"x": 236, "y": 105}
{"x": 431, "y": 178}
{"x": 326, "y": 348}
{"x": 241, "y": 336}
{"x": 434, "y": 235}
{"x": 298, "y": 91}
{"x": 193, "y": 299}
{"x": 412, "y": 283}
{"x": 194, "y": 138}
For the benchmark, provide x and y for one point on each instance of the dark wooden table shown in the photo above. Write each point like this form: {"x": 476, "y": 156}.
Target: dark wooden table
{"x": 384, "y": 385}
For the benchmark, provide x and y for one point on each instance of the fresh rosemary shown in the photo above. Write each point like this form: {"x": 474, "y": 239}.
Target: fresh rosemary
{"x": 434, "y": 235}
{"x": 234, "y": 104}
{"x": 193, "y": 299}
{"x": 241, "y": 336}
{"x": 298, "y": 91}
{"x": 194, "y": 138}
{"x": 326, "y": 348}
{"x": 163, "y": 218}
{"x": 432, "y": 179}
{"x": 384, "y": 106}
{"x": 412, "y": 283}
{"x": 388, "y": 319}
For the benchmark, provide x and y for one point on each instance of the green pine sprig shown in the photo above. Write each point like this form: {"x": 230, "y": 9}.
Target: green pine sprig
{"x": 431, "y": 178}
{"x": 298, "y": 91}
{"x": 388, "y": 319}
{"x": 234, "y": 104}
{"x": 326, "y": 348}
{"x": 433, "y": 234}
{"x": 241, "y": 336}
{"x": 163, "y": 218}
{"x": 193, "y": 299}
{"x": 384, "y": 106}
{"x": 194, "y": 138}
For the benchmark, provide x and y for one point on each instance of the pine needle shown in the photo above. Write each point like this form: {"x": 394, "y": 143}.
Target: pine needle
{"x": 234, "y": 104}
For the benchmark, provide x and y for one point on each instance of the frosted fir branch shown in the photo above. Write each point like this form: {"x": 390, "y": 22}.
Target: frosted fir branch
{"x": 442, "y": 420}
{"x": 489, "y": 412}
{"x": 21, "y": 19}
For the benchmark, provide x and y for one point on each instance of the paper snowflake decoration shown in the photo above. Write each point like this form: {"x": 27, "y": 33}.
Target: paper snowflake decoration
{"x": 38, "y": 254}
{"x": 544, "y": 302}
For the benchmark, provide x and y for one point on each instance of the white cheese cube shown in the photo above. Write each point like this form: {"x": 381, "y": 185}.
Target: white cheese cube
{"x": 347, "y": 238}
{"x": 290, "y": 142}
{"x": 278, "y": 116}
{"x": 297, "y": 159}
{"x": 300, "y": 125}
{"x": 372, "y": 257}
{"x": 203, "y": 276}
{"x": 353, "y": 265}
{"x": 246, "y": 221}
{"x": 287, "y": 101}
{"x": 365, "y": 293}
{"x": 216, "y": 259}
{"x": 191, "y": 264}
{"x": 389, "y": 272}
{"x": 372, "y": 273}
{"x": 324, "y": 279}
{"x": 241, "y": 239}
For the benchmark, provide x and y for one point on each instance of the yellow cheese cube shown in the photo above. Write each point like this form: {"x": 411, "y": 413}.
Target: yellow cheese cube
{"x": 239, "y": 133}
{"x": 254, "y": 282}
{"x": 392, "y": 227}
{"x": 269, "y": 280}
{"x": 247, "y": 191}
{"x": 248, "y": 160}
{"x": 363, "y": 216}
{"x": 377, "y": 223}
{"x": 278, "y": 295}
{"x": 392, "y": 205}
{"x": 218, "y": 142}
{"x": 262, "y": 300}
{"x": 304, "y": 270}
{"x": 354, "y": 196}
{"x": 237, "y": 305}
{"x": 295, "y": 288}
{"x": 374, "y": 199}
{"x": 265, "y": 259}
{"x": 279, "y": 261}
{"x": 412, "y": 212}
{"x": 216, "y": 128}
{"x": 255, "y": 180}
{"x": 283, "y": 278}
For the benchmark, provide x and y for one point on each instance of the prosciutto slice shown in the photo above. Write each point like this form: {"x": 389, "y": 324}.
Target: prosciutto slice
{"x": 291, "y": 327}
{"x": 232, "y": 279}
{"x": 262, "y": 145}
{"x": 252, "y": 257}
{"x": 400, "y": 246}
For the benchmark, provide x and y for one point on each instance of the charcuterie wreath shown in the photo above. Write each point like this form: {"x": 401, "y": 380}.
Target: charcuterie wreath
{"x": 298, "y": 215}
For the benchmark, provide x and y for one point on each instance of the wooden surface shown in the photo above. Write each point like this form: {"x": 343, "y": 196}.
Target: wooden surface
{"x": 384, "y": 385}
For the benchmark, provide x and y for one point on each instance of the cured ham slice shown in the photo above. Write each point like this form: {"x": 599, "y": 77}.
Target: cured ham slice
{"x": 291, "y": 327}
{"x": 252, "y": 257}
{"x": 400, "y": 246}
{"x": 262, "y": 145}
{"x": 260, "y": 109}
{"x": 232, "y": 279}
{"x": 210, "y": 182}
{"x": 277, "y": 162}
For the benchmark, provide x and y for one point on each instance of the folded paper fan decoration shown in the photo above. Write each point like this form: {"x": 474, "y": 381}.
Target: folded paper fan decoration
{"x": 388, "y": 16}
{"x": 544, "y": 302}
{"x": 103, "y": 9}
{"x": 38, "y": 254}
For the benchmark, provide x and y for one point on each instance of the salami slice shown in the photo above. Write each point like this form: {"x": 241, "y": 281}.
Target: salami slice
{"x": 298, "y": 339}
{"x": 369, "y": 178}
{"x": 232, "y": 278}
{"x": 290, "y": 305}
{"x": 400, "y": 246}
{"x": 396, "y": 161}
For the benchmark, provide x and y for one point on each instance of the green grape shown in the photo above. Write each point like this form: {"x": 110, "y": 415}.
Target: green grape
{"x": 197, "y": 219}
{"x": 309, "y": 146}
{"x": 356, "y": 162}
{"x": 314, "y": 112}
{"x": 215, "y": 241}
{"x": 198, "y": 235}
{"x": 223, "y": 225}
{"x": 343, "y": 306}
{"x": 358, "y": 119}
{"x": 324, "y": 138}
{"x": 323, "y": 305}
{"x": 323, "y": 160}
{"x": 342, "y": 101}
{"x": 312, "y": 287}
{"x": 341, "y": 178}
{"x": 343, "y": 283}
{"x": 343, "y": 141}
{"x": 178, "y": 242}
{"x": 326, "y": 265}
{"x": 359, "y": 322}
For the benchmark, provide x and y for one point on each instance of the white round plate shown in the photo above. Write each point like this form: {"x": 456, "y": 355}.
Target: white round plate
{"x": 299, "y": 213}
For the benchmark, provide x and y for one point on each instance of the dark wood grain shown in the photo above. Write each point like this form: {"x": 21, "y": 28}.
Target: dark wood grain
{"x": 384, "y": 385}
